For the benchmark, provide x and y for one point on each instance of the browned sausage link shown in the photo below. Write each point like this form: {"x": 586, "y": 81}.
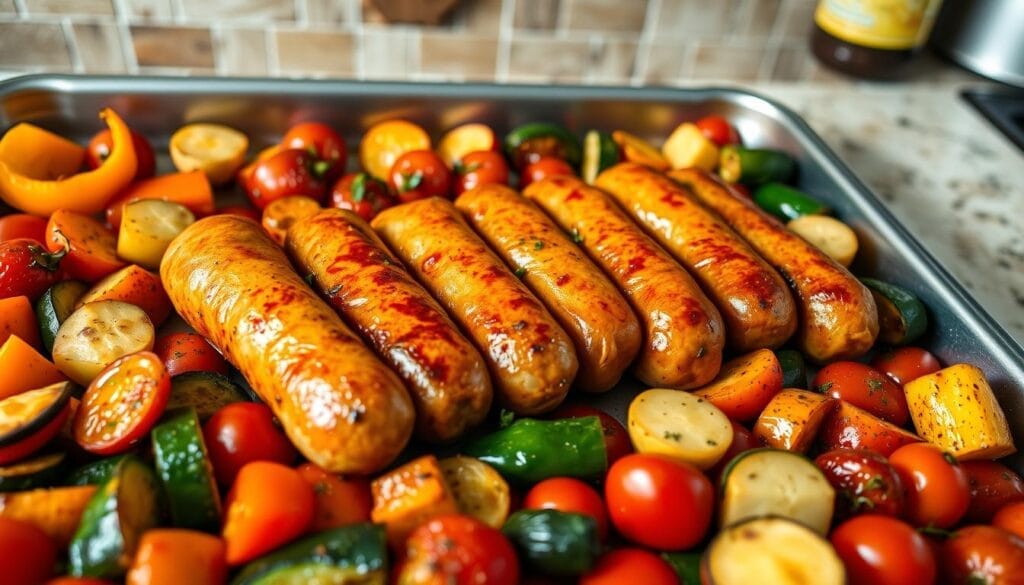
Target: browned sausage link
{"x": 838, "y": 317}
{"x": 592, "y": 311}
{"x": 682, "y": 328}
{"x": 530, "y": 356}
{"x": 752, "y": 298}
{"x": 340, "y": 405}
{"x": 357, "y": 275}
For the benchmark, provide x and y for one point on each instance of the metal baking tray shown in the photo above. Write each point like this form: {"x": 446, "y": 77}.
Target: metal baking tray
{"x": 960, "y": 329}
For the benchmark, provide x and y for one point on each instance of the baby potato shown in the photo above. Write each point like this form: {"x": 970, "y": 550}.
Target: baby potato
{"x": 96, "y": 335}
{"x": 215, "y": 149}
{"x": 680, "y": 425}
{"x": 829, "y": 235}
{"x": 147, "y": 228}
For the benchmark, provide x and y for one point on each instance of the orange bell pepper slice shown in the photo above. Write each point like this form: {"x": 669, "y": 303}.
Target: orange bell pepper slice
{"x": 21, "y": 146}
{"x": 87, "y": 192}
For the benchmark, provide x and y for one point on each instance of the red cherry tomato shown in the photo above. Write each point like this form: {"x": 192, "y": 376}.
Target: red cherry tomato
{"x": 718, "y": 130}
{"x": 99, "y": 149}
{"x": 27, "y": 268}
{"x": 361, "y": 193}
{"x": 27, "y": 554}
{"x": 992, "y": 485}
{"x": 866, "y": 388}
{"x": 322, "y": 141}
{"x": 547, "y": 166}
{"x": 742, "y": 440}
{"x": 864, "y": 482}
{"x": 22, "y": 225}
{"x": 483, "y": 167}
{"x": 1011, "y": 518}
{"x": 122, "y": 404}
{"x": 289, "y": 172}
{"x": 419, "y": 174}
{"x": 881, "y": 550}
{"x": 188, "y": 352}
{"x": 569, "y": 495}
{"x": 658, "y": 502}
{"x": 241, "y": 433}
{"x": 936, "y": 484}
{"x": 241, "y": 211}
{"x": 903, "y": 364}
{"x": 459, "y": 550}
{"x": 630, "y": 565}
{"x": 982, "y": 555}
{"x": 616, "y": 439}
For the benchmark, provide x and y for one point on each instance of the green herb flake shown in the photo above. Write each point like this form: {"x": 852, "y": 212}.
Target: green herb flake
{"x": 673, "y": 436}
{"x": 823, "y": 388}
{"x": 538, "y": 245}
{"x": 521, "y": 272}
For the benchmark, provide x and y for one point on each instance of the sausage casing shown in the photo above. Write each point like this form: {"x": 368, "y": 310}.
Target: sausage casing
{"x": 754, "y": 301}
{"x": 682, "y": 328}
{"x": 340, "y": 405}
{"x": 531, "y": 358}
{"x": 838, "y": 316}
{"x": 592, "y": 311}
{"x": 373, "y": 293}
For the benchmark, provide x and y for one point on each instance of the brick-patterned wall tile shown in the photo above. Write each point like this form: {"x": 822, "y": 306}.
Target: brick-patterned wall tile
{"x": 319, "y": 53}
{"x": 329, "y": 13}
{"x": 479, "y": 16}
{"x": 67, "y": 7}
{"x": 172, "y": 46}
{"x": 610, "y": 15}
{"x": 48, "y": 47}
{"x": 241, "y": 52}
{"x": 758, "y": 18}
{"x": 146, "y": 10}
{"x": 666, "y": 62}
{"x": 714, "y": 60}
{"x": 796, "y": 19}
{"x": 611, "y": 61}
{"x": 8, "y": 7}
{"x": 235, "y": 10}
{"x": 536, "y": 14}
{"x": 690, "y": 19}
{"x": 792, "y": 63}
{"x": 99, "y": 47}
{"x": 458, "y": 56}
{"x": 544, "y": 59}
{"x": 389, "y": 52}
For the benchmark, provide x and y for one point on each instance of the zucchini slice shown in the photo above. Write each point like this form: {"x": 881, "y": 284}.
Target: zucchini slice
{"x": 97, "y": 334}
{"x": 902, "y": 317}
{"x": 754, "y": 166}
{"x": 599, "y": 153}
{"x": 56, "y": 304}
{"x": 95, "y": 473}
{"x": 686, "y": 565}
{"x": 124, "y": 507}
{"x": 207, "y": 392}
{"x": 478, "y": 489}
{"x": 40, "y": 471}
{"x": 679, "y": 425}
{"x": 556, "y": 543}
{"x": 773, "y": 482}
{"x": 786, "y": 203}
{"x": 186, "y": 472}
{"x": 771, "y": 550}
{"x": 354, "y": 554}
{"x": 23, "y": 414}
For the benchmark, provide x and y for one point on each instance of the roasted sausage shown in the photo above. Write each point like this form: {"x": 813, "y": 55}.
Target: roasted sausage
{"x": 341, "y": 406}
{"x": 838, "y": 317}
{"x": 753, "y": 299}
{"x": 373, "y": 293}
{"x": 592, "y": 311}
{"x": 682, "y": 328}
{"x": 530, "y": 356}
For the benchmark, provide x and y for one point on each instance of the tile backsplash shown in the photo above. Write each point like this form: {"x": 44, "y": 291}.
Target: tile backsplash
{"x": 568, "y": 41}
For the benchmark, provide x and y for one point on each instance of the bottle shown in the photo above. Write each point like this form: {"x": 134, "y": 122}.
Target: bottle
{"x": 871, "y": 38}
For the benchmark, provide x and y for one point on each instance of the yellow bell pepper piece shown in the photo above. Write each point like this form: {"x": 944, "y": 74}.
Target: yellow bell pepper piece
{"x": 21, "y": 146}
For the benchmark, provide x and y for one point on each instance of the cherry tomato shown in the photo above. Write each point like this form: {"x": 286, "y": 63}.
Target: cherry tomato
{"x": 122, "y": 404}
{"x": 616, "y": 439}
{"x": 658, "y": 502}
{"x": 903, "y": 364}
{"x": 27, "y": 554}
{"x": 188, "y": 352}
{"x": 569, "y": 495}
{"x": 321, "y": 140}
{"x": 173, "y": 556}
{"x": 630, "y": 565}
{"x": 241, "y": 211}
{"x": 268, "y": 505}
{"x": 289, "y": 172}
{"x": 419, "y": 174}
{"x": 864, "y": 387}
{"x": 993, "y": 485}
{"x": 864, "y": 482}
{"x": 241, "y": 433}
{"x": 361, "y": 193}
{"x": 545, "y": 167}
{"x": 983, "y": 555}
{"x": 27, "y": 269}
{"x": 718, "y": 130}
{"x": 535, "y": 149}
{"x": 936, "y": 484}
{"x": 483, "y": 167}
{"x": 22, "y": 225}
{"x": 881, "y": 550}
{"x": 742, "y": 440}
{"x": 99, "y": 149}
{"x": 1011, "y": 518}
{"x": 339, "y": 501}
{"x": 458, "y": 550}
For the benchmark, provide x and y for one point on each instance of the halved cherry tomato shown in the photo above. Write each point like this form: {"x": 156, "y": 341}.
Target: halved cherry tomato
{"x": 742, "y": 440}
{"x": 99, "y": 150}
{"x": 483, "y": 167}
{"x": 458, "y": 550}
{"x": 1011, "y": 518}
{"x": 22, "y": 225}
{"x": 419, "y": 174}
{"x": 269, "y": 504}
{"x": 172, "y": 556}
{"x": 241, "y": 211}
{"x": 385, "y": 141}
{"x": 982, "y": 555}
{"x": 241, "y": 433}
{"x": 992, "y": 485}
{"x": 567, "y": 494}
{"x": 903, "y": 364}
{"x": 363, "y": 194}
{"x": 616, "y": 439}
{"x": 322, "y": 141}
{"x": 547, "y": 166}
{"x": 658, "y": 502}
{"x": 864, "y": 387}
{"x": 718, "y": 130}
{"x": 864, "y": 482}
{"x": 340, "y": 501}
{"x": 881, "y": 550}
{"x": 289, "y": 172}
{"x": 936, "y": 484}
{"x": 27, "y": 268}
{"x": 27, "y": 555}
{"x": 630, "y": 565}
{"x": 122, "y": 404}
{"x": 188, "y": 352}
{"x": 91, "y": 249}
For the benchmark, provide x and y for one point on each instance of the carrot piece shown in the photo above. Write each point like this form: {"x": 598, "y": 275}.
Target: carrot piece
{"x": 410, "y": 495}
{"x": 792, "y": 419}
{"x": 638, "y": 150}
{"x": 135, "y": 285}
{"x": 280, "y": 214}
{"x": 22, "y": 225}
{"x": 24, "y": 368}
{"x": 40, "y": 154}
{"x": 339, "y": 501}
{"x": 191, "y": 189}
{"x": 18, "y": 318}
{"x": 91, "y": 247}
{"x": 56, "y": 511}
{"x": 745, "y": 385}
{"x": 849, "y": 427}
{"x": 168, "y": 556}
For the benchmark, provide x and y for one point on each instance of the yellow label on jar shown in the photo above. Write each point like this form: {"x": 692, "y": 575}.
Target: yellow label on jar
{"x": 880, "y": 24}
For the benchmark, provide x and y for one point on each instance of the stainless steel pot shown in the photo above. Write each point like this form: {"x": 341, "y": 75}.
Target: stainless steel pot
{"x": 985, "y": 36}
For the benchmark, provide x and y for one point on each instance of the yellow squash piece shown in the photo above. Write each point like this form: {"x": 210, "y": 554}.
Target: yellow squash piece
{"x": 147, "y": 228}
{"x": 687, "y": 147}
{"x": 215, "y": 149}
{"x": 478, "y": 488}
{"x": 96, "y": 335}
{"x": 409, "y": 496}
